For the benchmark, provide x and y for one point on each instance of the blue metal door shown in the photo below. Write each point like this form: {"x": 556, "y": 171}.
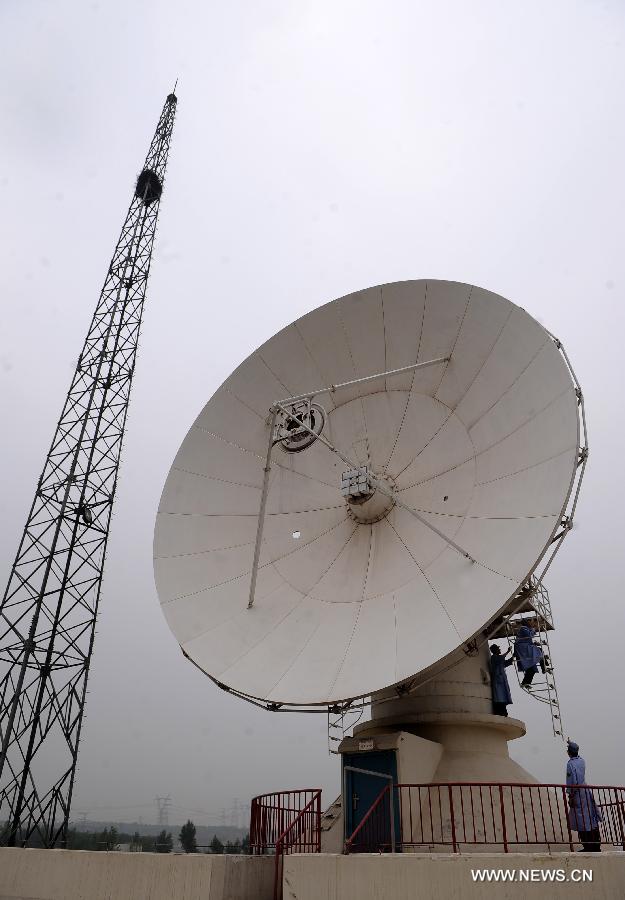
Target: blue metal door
{"x": 362, "y": 789}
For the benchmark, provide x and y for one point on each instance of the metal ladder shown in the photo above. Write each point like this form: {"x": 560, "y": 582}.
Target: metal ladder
{"x": 341, "y": 720}
{"x": 537, "y": 610}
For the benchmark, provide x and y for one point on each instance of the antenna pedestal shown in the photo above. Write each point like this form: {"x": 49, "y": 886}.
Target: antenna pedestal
{"x": 443, "y": 733}
{"x": 454, "y": 710}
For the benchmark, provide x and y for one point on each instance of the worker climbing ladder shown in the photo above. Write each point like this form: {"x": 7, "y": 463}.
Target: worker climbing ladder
{"x": 535, "y": 611}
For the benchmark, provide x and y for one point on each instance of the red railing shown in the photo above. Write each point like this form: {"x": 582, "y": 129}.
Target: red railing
{"x": 376, "y": 832}
{"x": 285, "y": 822}
{"x": 470, "y": 815}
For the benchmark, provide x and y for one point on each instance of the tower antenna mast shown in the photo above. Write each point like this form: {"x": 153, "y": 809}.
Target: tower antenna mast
{"x": 49, "y": 609}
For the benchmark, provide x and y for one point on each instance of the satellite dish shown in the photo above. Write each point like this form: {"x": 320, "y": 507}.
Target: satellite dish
{"x": 396, "y": 463}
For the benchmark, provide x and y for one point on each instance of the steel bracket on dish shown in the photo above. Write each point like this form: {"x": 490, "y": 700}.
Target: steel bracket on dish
{"x": 471, "y": 648}
{"x": 288, "y": 430}
{"x": 335, "y": 387}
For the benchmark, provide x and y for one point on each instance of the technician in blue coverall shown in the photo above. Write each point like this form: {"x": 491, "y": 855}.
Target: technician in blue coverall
{"x": 500, "y": 688}
{"x": 528, "y": 656}
{"x": 584, "y": 817}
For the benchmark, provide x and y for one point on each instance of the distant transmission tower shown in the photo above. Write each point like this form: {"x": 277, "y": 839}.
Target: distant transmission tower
{"x": 49, "y": 610}
{"x": 163, "y": 805}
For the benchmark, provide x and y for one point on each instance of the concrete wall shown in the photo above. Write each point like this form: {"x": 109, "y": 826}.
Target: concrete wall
{"x": 85, "y": 875}
{"x": 437, "y": 877}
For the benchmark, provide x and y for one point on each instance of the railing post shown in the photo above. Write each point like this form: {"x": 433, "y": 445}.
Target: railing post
{"x": 619, "y": 802}
{"x": 318, "y": 822}
{"x": 568, "y": 821}
{"x": 344, "y": 807}
{"x": 392, "y": 808}
{"x": 453, "y": 818}
{"x": 503, "y": 819}
{"x": 277, "y": 879}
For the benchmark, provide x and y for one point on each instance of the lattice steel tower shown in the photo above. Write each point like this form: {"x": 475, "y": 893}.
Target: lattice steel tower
{"x": 49, "y": 610}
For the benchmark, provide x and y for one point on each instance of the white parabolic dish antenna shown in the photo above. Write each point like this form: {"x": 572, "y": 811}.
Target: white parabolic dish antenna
{"x": 381, "y": 560}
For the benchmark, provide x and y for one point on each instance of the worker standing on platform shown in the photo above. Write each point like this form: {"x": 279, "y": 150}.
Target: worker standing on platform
{"x": 584, "y": 817}
{"x": 499, "y": 680}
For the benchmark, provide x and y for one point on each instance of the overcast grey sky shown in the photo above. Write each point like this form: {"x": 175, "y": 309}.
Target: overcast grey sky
{"x": 320, "y": 148}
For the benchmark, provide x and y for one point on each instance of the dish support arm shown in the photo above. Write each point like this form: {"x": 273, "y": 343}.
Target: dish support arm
{"x": 263, "y": 506}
